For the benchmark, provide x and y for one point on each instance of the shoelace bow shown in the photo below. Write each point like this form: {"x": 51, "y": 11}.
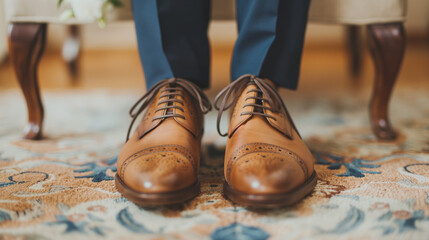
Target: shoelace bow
{"x": 175, "y": 89}
{"x": 232, "y": 92}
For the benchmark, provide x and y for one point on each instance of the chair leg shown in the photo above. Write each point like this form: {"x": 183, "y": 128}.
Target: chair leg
{"x": 26, "y": 45}
{"x": 354, "y": 48}
{"x": 387, "y": 46}
{"x": 71, "y": 51}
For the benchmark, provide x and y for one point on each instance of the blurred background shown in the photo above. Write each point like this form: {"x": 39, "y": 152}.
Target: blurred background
{"x": 109, "y": 57}
{"x": 87, "y": 117}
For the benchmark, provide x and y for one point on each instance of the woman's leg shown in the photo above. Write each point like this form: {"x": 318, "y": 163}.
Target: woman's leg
{"x": 271, "y": 36}
{"x": 172, "y": 39}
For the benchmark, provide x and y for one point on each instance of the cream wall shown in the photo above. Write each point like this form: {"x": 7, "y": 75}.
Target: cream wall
{"x": 122, "y": 36}
{"x": 3, "y": 39}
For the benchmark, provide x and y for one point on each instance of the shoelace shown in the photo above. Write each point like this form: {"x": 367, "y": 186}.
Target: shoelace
{"x": 230, "y": 94}
{"x": 176, "y": 86}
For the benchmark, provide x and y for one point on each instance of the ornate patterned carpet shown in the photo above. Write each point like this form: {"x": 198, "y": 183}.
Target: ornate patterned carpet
{"x": 62, "y": 187}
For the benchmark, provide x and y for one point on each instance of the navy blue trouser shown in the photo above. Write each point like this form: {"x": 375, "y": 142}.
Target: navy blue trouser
{"x": 172, "y": 39}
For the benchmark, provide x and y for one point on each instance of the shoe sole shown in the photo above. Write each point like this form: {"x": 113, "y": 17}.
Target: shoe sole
{"x": 157, "y": 199}
{"x": 271, "y": 200}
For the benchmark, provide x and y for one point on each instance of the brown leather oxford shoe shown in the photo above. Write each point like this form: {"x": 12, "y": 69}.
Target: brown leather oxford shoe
{"x": 159, "y": 163}
{"x": 266, "y": 162}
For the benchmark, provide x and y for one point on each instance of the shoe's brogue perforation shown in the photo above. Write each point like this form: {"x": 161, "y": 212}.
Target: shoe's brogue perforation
{"x": 260, "y": 149}
{"x": 160, "y": 152}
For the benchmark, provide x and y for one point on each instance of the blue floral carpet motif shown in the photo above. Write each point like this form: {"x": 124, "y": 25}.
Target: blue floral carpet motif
{"x": 62, "y": 187}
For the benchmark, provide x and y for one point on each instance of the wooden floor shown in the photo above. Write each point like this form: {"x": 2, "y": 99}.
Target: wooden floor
{"x": 324, "y": 68}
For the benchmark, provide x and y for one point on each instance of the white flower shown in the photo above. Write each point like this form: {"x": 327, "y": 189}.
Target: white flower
{"x": 88, "y": 10}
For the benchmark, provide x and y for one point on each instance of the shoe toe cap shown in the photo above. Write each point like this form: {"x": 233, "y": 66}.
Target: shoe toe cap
{"x": 160, "y": 172}
{"x": 265, "y": 173}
